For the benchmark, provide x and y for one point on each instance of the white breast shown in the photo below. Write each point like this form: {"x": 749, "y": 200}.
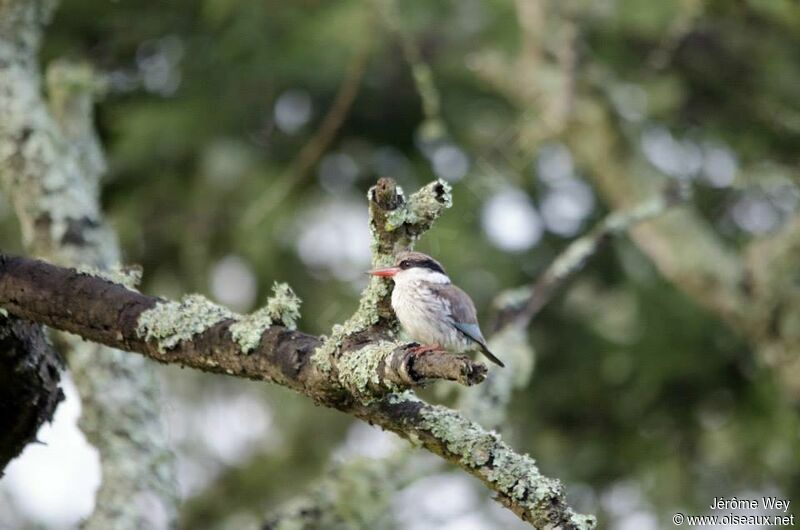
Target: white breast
{"x": 424, "y": 316}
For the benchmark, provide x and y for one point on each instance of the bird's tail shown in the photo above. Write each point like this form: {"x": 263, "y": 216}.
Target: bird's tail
{"x": 489, "y": 355}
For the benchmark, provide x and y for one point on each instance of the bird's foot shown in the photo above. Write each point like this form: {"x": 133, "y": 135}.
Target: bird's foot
{"x": 419, "y": 349}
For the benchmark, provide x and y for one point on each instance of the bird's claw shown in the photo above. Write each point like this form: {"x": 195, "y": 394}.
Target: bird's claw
{"x": 419, "y": 349}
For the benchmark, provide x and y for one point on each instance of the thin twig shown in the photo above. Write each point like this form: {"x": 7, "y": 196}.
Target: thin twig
{"x": 420, "y": 69}
{"x": 315, "y": 148}
{"x": 520, "y": 309}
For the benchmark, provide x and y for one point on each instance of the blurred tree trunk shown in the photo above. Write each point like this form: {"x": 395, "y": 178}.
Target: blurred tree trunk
{"x": 50, "y": 168}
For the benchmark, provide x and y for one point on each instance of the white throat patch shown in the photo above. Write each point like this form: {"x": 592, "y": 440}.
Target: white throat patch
{"x": 417, "y": 274}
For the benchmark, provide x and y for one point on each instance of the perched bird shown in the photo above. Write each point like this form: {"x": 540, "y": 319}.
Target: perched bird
{"x": 432, "y": 310}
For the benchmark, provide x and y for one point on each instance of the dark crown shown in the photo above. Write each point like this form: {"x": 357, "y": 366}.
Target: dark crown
{"x": 410, "y": 260}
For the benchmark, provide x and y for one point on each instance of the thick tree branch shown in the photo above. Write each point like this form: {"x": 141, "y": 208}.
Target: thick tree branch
{"x": 439, "y": 430}
{"x": 109, "y": 313}
{"x": 29, "y": 391}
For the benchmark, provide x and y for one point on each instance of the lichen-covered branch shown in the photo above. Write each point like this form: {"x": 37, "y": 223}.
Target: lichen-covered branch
{"x": 514, "y": 478}
{"x": 487, "y": 404}
{"x": 29, "y": 384}
{"x": 101, "y": 310}
{"x": 200, "y": 334}
{"x": 50, "y": 165}
{"x": 395, "y": 224}
{"x": 357, "y": 370}
{"x": 330, "y": 503}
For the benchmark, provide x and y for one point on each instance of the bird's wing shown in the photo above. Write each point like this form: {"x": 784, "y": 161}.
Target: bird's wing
{"x": 463, "y": 315}
{"x": 462, "y": 310}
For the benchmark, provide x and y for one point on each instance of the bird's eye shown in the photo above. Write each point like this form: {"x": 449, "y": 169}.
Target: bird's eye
{"x": 405, "y": 264}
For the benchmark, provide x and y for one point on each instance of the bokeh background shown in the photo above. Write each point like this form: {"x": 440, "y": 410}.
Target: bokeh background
{"x": 242, "y": 137}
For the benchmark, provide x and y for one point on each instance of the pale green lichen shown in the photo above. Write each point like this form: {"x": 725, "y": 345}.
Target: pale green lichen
{"x": 513, "y": 475}
{"x": 406, "y": 396}
{"x": 423, "y": 207}
{"x": 169, "y": 323}
{"x": 128, "y": 276}
{"x": 3, "y": 312}
{"x": 359, "y": 370}
{"x": 582, "y": 521}
{"x": 66, "y": 79}
{"x": 283, "y": 307}
{"x": 321, "y": 358}
{"x": 512, "y": 297}
{"x": 617, "y": 222}
{"x": 367, "y": 313}
{"x": 396, "y": 218}
{"x": 461, "y": 437}
{"x": 247, "y": 332}
{"x": 365, "y": 316}
{"x": 573, "y": 258}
